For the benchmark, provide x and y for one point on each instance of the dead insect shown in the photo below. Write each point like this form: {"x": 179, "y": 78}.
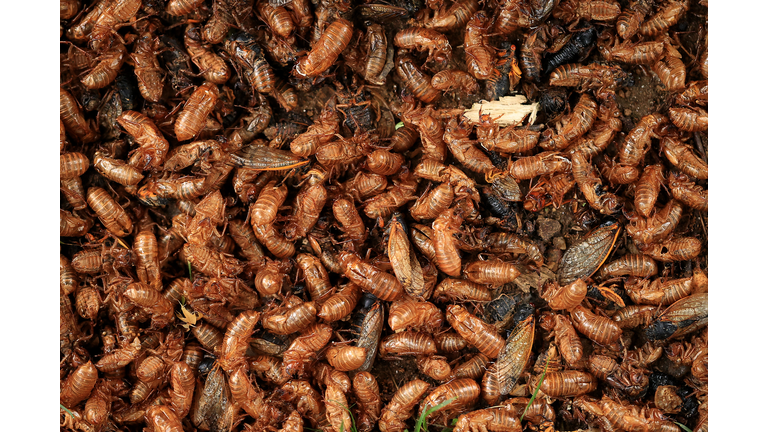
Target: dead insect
{"x": 541, "y": 164}
{"x": 600, "y": 329}
{"x": 592, "y": 187}
{"x": 378, "y": 59}
{"x": 72, "y": 117}
{"x": 583, "y": 77}
{"x": 461, "y": 393}
{"x": 416, "y": 81}
{"x": 116, "y": 170}
{"x": 151, "y": 301}
{"x": 277, "y": 18}
{"x": 200, "y": 104}
{"x": 633, "y": 316}
{"x": 147, "y": 259}
{"x": 634, "y": 53}
{"x": 456, "y": 16}
{"x": 341, "y": 304}
{"x": 211, "y": 65}
{"x": 461, "y": 290}
{"x": 687, "y": 192}
{"x": 567, "y": 340}
{"x": 332, "y": 42}
{"x": 72, "y": 165}
{"x": 479, "y": 54}
{"x": 568, "y": 383}
{"x": 447, "y": 255}
{"x": 147, "y": 68}
{"x": 565, "y": 297}
{"x": 432, "y": 203}
{"x": 494, "y": 272}
{"x": 258, "y": 73}
{"x": 499, "y": 419}
{"x": 381, "y": 284}
{"x": 423, "y": 39}
{"x": 682, "y": 156}
{"x": 476, "y": 332}
{"x": 423, "y": 316}
{"x": 405, "y": 264}
{"x": 583, "y": 259}
{"x": 153, "y": 146}
{"x": 263, "y": 158}
{"x": 514, "y": 357}
{"x": 78, "y": 385}
{"x": 182, "y": 7}
{"x": 631, "y": 18}
{"x": 290, "y": 320}
{"x": 408, "y": 343}
{"x": 367, "y": 393}
{"x": 590, "y": 10}
{"x": 345, "y": 358}
{"x": 110, "y": 213}
{"x": 636, "y": 265}
{"x": 677, "y": 249}
{"x": 660, "y": 291}
{"x": 455, "y": 80}
{"x": 321, "y": 132}
{"x": 107, "y": 69}
{"x": 689, "y": 119}
{"x": 395, "y": 414}
{"x": 665, "y": 18}
{"x": 647, "y": 189}
{"x": 617, "y": 173}
{"x": 670, "y": 69}
{"x": 346, "y": 214}
{"x": 657, "y": 227}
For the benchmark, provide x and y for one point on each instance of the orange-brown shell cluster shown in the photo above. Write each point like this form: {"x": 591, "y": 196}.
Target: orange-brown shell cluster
{"x": 275, "y": 217}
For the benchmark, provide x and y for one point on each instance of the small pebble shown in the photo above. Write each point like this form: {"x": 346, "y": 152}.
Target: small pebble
{"x": 627, "y": 112}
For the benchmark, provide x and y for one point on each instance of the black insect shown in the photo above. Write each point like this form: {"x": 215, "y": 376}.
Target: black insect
{"x": 498, "y": 85}
{"x": 577, "y": 47}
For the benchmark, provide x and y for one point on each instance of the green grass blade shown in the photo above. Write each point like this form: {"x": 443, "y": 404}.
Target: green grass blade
{"x": 73, "y": 416}
{"x": 351, "y": 416}
{"x": 398, "y": 126}
{"x": 189, "y": 267}
{"x": 685, "y": 428}
{"x": 428, "y": 412}
{"x": 535, "y": 392}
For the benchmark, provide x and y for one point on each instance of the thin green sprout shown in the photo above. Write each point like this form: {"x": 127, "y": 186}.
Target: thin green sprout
{"x": 73, "y": 416}
{"x": 351, "y": 416}
{"x": 533, "y": 396}
{"x": 428, "y": 412}
{"x": 685, "y": 428}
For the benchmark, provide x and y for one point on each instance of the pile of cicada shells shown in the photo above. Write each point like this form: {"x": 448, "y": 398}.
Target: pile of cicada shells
{"x": 266, "y": 204}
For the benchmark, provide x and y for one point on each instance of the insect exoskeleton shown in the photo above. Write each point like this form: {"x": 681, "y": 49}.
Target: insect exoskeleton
{"x": 332, "y": 42}
{"x": 110, "y": 213}
{"x": 476, "y": 332}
